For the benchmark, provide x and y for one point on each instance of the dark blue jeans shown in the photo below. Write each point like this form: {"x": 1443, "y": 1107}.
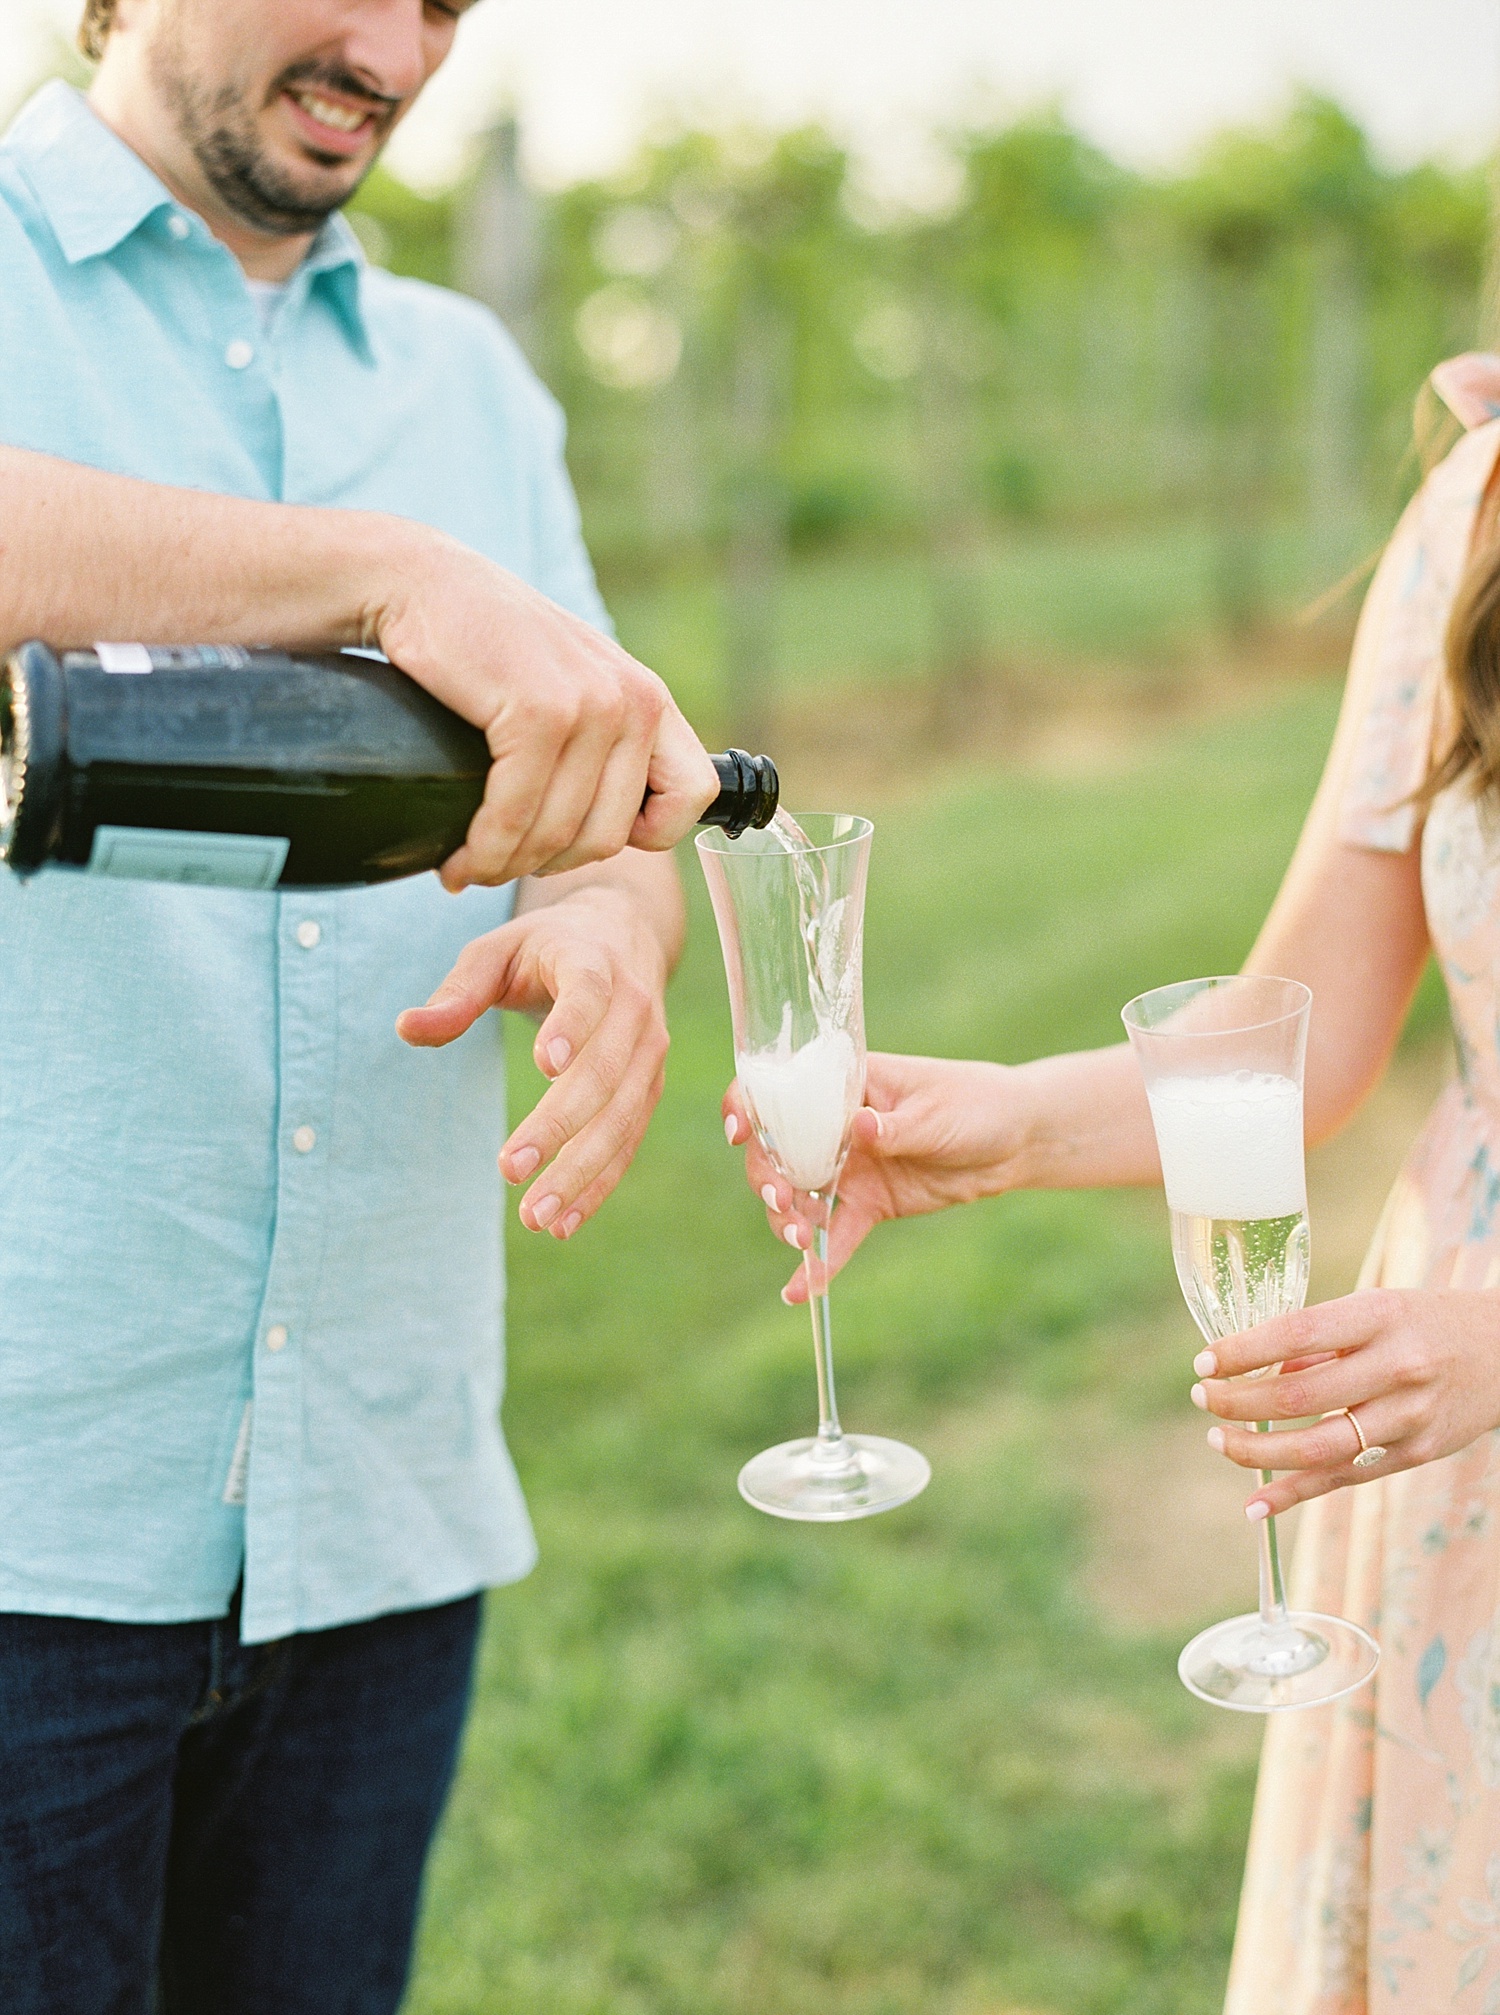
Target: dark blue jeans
{"x": 199, "y": 1827}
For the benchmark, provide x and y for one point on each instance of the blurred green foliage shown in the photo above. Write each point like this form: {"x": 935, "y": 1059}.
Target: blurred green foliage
{"x": 721, "y": 1765}
{"x": 1057, "y": 341}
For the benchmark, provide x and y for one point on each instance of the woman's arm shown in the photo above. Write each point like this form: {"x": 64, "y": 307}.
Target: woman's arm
{"x": 1347, "y": 921}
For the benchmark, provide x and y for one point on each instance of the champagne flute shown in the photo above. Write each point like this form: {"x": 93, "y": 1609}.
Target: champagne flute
{"x": 790, "y": 909}
{"x": 1223, "y": 1062}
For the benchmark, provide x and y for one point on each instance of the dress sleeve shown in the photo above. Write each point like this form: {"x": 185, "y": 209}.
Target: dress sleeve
{"x": 1399, "y": 647}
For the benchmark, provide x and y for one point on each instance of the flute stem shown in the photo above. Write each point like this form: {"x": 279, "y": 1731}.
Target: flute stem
{"x": 829, "y": 1431}
{"x": 1272, "y": 1592}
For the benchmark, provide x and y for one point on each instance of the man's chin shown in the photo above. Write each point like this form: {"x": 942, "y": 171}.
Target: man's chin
{"x": 307, "y": 189}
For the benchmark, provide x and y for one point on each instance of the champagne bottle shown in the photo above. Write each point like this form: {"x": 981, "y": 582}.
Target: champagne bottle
{"x": 251, "y": 768}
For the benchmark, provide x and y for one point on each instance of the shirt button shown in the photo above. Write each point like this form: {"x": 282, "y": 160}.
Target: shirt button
{"x": 239, "y": 354}
{"x": 304, "y": 1140}
{"x": 309, "y": 934}
{"x": 178, "y": 225}
{"x": 276, "y": 1336}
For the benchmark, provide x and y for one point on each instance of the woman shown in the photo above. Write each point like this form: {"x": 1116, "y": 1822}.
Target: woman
{"x": 1373, "y": 1884}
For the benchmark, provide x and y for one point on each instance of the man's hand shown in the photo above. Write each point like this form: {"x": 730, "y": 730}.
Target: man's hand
{"x": 1421, "y": 1370}
{"x": 590, "y": 955}
{"x": 578, "y": 731}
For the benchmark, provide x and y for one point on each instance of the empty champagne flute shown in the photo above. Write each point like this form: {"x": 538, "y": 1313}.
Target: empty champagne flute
{"x": 790, "y": 905}
{"x": 1223, "y": 1063}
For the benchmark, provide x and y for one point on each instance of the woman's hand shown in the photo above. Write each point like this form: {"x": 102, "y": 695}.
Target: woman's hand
{"x": 932, "y": 1132}
{"x": 1420, "y": 1370}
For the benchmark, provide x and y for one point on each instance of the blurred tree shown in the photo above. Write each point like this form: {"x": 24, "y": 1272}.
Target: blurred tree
{"x": 755, "y": 365}
{"x": 497, "y": 247}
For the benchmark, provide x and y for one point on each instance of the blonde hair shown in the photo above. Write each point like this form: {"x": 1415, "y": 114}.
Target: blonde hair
{"x": 94, "y": 27}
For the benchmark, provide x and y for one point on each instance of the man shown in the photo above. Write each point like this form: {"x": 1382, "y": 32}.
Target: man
{"x": 251, "y": 1478}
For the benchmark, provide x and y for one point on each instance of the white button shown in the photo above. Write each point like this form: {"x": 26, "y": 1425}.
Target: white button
{"x": 276, "y": 1336}
{"x": 239, "y": 354}
{"x": 309, "y": 934}
{"x": 304, "y": 1140}
{"x": 178, "y": 225}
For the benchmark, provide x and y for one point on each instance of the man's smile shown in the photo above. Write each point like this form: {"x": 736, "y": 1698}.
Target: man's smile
{"x": 330, "y": 123}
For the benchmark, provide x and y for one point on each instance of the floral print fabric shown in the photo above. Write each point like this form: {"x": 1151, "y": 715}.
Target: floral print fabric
{"x": 1373, "y": 1880}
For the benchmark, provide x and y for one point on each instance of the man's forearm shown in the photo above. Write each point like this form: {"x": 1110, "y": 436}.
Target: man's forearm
{"x": 647, "y": 885}
{"x": 85, "y": 555}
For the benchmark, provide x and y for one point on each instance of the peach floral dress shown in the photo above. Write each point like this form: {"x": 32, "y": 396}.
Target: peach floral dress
{"x": 1373, "y": 1880}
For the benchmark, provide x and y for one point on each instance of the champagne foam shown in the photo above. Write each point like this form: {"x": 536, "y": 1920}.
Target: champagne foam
{"x": 1231, "y": 1145}
{"x": 802, "y": 1101}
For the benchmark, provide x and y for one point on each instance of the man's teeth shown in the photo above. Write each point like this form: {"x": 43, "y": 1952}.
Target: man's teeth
{"x": 340, "y": 117}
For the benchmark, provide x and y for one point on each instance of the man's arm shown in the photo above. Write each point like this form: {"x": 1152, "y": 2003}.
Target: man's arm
{"x": 589, "y": 953}
{"x": 578, "y": 731}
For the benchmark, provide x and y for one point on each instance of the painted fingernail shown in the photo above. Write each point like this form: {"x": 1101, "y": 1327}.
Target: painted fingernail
{"x": 786, "y": 1295}
{"x": 558, "y": 1053}
{"x": 879, "y": 1128}
{"x": 1199, "y": 1397}
{"x": 769, "y": 1198}
{"x": 1216, "y": 1440}
{"x": 522, "y": 1163}
{"x": 793, "y": 1236}
{"x": 544, "y": 1210}
{"x": 731, "y": 1129}
{"x": 1205, "y": 1364}
{"x": 570, "y": 1224}
{"x": 1255, "y": 1510}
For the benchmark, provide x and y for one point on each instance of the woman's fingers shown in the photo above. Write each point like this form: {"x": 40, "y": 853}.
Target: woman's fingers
{"x": 1295, "y": 1395}
{"x": 852, "y": 1223}
{"x": 1302, "y": 1485}
{"x": 1330, "y": 1443}
{"x": 1345, "y": 1324}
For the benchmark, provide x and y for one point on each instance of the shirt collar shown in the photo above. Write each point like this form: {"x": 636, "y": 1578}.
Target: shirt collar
{"x": 95, "y": 191}
{"x": 336, "y": 264}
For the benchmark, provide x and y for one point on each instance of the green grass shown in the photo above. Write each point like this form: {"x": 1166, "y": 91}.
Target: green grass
{"x": 720, "y": 1765}
{"x": 1047, "y": 597}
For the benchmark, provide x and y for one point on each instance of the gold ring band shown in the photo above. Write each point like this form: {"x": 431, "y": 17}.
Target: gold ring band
{"x": 1369, "y": 1452}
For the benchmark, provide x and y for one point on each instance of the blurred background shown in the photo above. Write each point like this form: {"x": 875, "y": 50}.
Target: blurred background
{"x": 996, "y": 418}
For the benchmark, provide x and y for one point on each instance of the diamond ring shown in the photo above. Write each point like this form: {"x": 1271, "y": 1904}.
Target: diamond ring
{"x": 1369, "y": 1453}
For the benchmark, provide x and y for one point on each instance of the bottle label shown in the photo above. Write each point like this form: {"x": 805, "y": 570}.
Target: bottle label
{"x": 208, "y": 860}
{"x": 138, "y": 658}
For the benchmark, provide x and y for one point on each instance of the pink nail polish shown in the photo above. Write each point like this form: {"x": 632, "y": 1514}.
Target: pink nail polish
{"x": 1255, "y": 1511}
{"x": 731, "y": 1129}
{"x": 544, "y": 1210}
{"x": 1205, "y": 1364}
{"x": 768, "y": 1196}
{"x": 786, "y": 1295}
{"x": 1216, "y": 1440}
{"x": 793, "y": 1236}
{"x": 1199, "y": 1397}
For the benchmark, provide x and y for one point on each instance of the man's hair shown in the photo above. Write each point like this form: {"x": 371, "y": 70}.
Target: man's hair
{"x": 92, "y": 29}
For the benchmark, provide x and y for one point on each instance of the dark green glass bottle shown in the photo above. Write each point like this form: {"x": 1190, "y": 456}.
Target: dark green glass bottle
{"x": 251, "y": 769}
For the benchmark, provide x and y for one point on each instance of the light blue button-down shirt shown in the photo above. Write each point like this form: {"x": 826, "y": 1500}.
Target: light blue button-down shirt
{"x": 250, "y": 1259}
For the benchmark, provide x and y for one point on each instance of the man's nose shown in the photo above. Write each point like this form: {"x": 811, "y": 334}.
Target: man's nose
{"x": 384, "y": 43}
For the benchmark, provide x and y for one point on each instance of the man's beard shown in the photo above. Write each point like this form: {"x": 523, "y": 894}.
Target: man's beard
{"x": 221, "y": 133}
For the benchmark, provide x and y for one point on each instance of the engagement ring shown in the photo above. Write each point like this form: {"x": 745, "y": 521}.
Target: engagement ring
{"x": 1368, "y": 1455}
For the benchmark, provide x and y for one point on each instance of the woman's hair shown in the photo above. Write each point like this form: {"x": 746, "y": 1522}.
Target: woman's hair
{"x": 1473, "y": 662}
{"x": 92, "y": 29}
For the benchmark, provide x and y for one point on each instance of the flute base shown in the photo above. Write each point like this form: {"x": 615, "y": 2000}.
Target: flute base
{"x": 852, "y": 1476}
{"x": 1257, "y": 1669}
